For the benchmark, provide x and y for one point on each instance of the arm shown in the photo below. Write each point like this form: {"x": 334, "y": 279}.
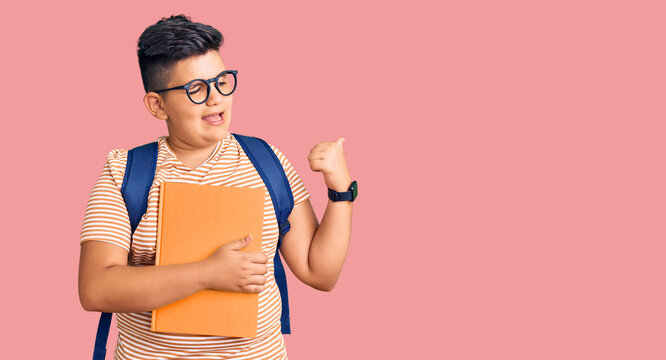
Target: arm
{"x": 107, "y": 284}
{"x": 316, "y": 253}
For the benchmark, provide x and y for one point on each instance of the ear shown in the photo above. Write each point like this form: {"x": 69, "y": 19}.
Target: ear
{"x": 155, "y": 105}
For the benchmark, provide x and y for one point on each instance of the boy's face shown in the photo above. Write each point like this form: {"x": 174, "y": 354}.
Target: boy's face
{"x": 185, "y": 118}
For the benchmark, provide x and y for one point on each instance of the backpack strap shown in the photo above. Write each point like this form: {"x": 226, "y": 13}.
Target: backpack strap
{"x": 139, "y": 175}
{"x": 99, "y": 353}
{"x": 272, "y": 173}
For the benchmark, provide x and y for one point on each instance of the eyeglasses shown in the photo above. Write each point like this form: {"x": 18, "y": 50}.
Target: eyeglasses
{"x": 198, "y": 90}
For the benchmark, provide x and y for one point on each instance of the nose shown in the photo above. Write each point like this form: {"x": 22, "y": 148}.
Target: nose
{"x": 214, "y": 96}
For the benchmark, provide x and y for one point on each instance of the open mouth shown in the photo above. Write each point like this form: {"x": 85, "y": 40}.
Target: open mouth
{"x": 214, "y": 117}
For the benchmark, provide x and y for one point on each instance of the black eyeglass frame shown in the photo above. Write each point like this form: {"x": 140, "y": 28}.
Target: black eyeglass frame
{"x": 187, "y": 86}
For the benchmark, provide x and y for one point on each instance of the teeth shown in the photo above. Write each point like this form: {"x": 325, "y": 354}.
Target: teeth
{"x": 218, "y": 115}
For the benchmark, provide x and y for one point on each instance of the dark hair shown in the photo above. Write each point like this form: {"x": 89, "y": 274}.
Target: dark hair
{"x": 169, "y": 40}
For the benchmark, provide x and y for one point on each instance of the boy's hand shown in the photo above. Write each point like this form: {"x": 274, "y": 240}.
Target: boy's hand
{"x": 228, "y": 269}
{"x": 328, "y": 158}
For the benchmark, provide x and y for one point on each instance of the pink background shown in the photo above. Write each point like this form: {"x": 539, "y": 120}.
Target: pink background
{"x": 509, "y": 155}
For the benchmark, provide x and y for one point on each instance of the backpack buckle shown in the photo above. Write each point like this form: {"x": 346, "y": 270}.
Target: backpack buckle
{"x": 284, "y": 227}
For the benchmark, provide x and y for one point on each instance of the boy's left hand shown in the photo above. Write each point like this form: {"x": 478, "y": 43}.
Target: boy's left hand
{"x": 328, "y": 158}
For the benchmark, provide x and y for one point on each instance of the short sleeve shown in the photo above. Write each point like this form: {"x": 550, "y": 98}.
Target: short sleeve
{"x": 297, "y": 187}
{"x": 106, "y": 217}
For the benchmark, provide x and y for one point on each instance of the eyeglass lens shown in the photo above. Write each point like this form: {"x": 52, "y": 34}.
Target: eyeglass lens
{"x": 199, "y": 89}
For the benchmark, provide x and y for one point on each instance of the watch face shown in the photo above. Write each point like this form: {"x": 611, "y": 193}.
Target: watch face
{"x": 354, "y": 189}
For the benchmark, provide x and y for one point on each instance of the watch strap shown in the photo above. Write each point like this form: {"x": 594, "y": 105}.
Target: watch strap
{"x": 340, "y": 196}
{"x": 349, "y": 195}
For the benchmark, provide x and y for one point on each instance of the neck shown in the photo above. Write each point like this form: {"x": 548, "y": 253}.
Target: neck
{"x": 189, "y": 153}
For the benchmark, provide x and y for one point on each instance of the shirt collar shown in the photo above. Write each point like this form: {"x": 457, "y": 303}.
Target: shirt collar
{"x": 170, "y": 159}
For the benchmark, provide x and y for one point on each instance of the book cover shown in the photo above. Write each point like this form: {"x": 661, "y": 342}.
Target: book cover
{"x": 193, "y": 221}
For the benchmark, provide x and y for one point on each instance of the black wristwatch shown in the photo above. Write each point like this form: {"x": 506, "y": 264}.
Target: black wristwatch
{"x": 349, "y": 195}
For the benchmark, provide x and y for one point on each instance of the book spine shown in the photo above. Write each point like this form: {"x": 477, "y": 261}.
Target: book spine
{"x": 158, "y": 259}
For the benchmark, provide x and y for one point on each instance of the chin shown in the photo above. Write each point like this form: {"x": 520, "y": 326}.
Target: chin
{"x": 220, "y": 133}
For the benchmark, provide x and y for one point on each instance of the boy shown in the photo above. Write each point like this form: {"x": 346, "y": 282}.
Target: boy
{"x": 115, "y": 272}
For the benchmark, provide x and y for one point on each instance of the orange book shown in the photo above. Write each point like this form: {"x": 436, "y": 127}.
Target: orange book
{"x": 193, "y": 221}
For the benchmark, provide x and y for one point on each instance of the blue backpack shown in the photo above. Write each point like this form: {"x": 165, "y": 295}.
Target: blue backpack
{"x": 139, "y": 175}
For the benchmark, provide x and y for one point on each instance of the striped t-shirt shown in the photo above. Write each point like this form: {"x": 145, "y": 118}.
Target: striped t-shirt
{"x": 106, "y": 219}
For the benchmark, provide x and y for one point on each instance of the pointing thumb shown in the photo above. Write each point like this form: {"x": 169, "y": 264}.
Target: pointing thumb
{"x": 340, "y": 141}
